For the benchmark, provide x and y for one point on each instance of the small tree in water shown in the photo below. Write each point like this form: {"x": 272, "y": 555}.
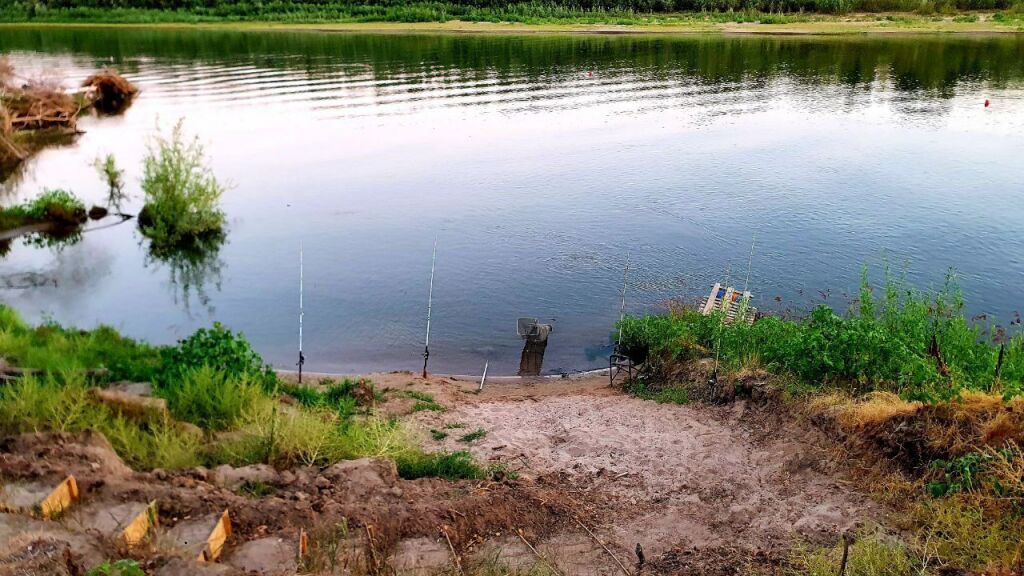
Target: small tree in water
{"x": 182, "y": 196}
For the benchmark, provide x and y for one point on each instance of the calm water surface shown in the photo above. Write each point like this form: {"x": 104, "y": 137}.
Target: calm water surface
{"x": 538, "y": 162}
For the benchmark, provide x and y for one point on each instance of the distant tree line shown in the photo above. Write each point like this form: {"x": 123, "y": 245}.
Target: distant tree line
{"x": 428, "y": 10}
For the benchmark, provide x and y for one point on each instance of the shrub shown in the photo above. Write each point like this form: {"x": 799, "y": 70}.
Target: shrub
{"x": 182, "y": 195}
{"x": 220, "y": 348}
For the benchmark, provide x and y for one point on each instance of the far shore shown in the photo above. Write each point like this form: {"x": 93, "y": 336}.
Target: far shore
{"x": 854, "y": 24}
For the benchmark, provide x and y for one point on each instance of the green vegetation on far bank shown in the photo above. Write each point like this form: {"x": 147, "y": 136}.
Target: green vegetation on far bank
{"x": 645, "y": 13}
{"x": 224, "y": 404}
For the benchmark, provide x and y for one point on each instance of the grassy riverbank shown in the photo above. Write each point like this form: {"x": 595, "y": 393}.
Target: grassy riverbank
{"x": 925, "y": 401}
{"x": 894, "y": 339}
{"x": 223, "y": 405}
{"x": 533, "y": 18}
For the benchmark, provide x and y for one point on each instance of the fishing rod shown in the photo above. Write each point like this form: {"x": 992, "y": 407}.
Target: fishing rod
{"x": 430, "y": 300}
{"x": 750, "y": 261}
{"x": 302, "y": 358}
{"x": 622, "y": 307}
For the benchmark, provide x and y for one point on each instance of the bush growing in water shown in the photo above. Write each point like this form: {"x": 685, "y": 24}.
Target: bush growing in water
{"x": 182, "y": 195}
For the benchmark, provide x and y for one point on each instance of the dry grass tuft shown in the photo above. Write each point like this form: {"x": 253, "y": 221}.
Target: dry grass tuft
{"x": 41, "y": 106}
{"x": 6, "y": 71}
{"x": 874, "y": 408}
{"x": 1005, "y": 427}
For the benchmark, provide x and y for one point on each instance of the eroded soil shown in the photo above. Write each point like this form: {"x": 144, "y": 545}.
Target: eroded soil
{"x": 702, "y": 489}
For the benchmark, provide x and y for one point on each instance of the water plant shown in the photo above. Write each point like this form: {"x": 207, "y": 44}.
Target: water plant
{"x": 182, "y": 195}
{"x": 113, "y": 177}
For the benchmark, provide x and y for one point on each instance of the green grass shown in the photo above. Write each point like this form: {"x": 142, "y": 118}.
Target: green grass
{"x": 63, "y": 404}
{"x": 211, "y": 399}
{"x": 671, "y": 394}
{"x": 336, "y": 396}
{"x": 212, "y": 379}
{"x": 424, "y": 401}
{"x": 870, "y": 555}
{"x": 882, "y": 342}
{"x": 447, "y": 465}
{"x": 58, "y": 207}
{"x": 182, "y": 196}
{"x": 256, "y": 489}
{"x": 473, "y": 436}
{"x": 52, "y": 348}
{"x": 438, "y": 434}
{"x": 123, "y": 567}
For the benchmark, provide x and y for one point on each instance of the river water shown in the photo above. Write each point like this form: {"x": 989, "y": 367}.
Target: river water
{"x": 537, "y": 162}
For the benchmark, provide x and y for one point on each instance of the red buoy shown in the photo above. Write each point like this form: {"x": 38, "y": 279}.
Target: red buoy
{"x": 986, "y": 102}
{"x": 591, "y": 73}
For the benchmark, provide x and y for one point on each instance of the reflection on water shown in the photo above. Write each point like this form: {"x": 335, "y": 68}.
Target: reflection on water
{"x": 193, "y": 269}
{"x": 538, "y": 162}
